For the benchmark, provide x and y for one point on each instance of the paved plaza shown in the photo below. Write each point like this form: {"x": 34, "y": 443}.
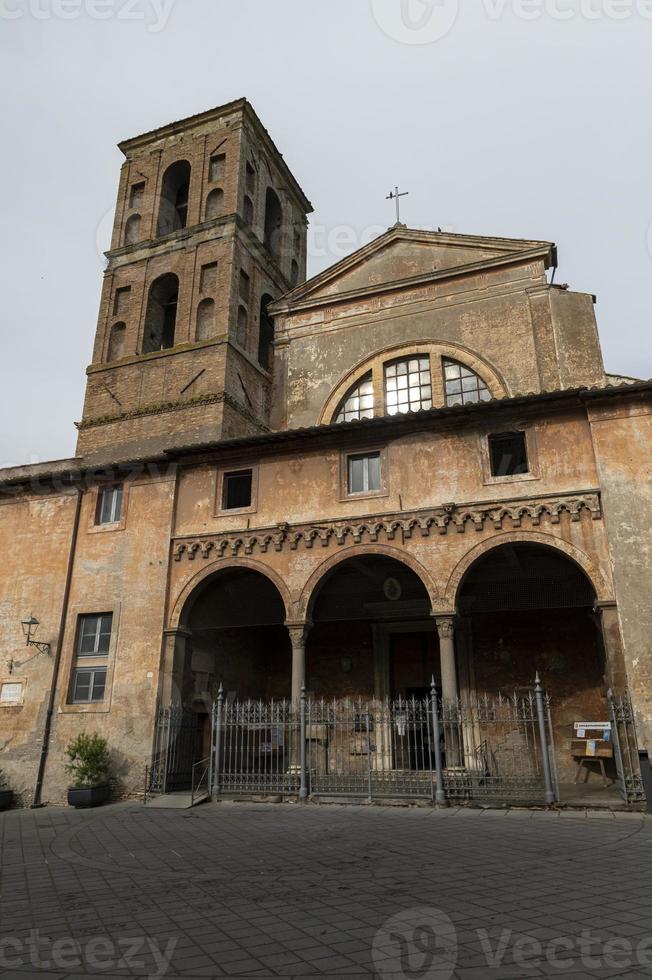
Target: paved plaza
{"x": 244, "y": 890}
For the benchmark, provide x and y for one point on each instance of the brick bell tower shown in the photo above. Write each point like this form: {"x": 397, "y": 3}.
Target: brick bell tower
{"x": 210, "y": 227}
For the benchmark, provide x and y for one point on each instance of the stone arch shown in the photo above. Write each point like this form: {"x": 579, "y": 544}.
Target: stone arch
{"x": 205, "y": 328}
{"x": 456, "y": 352}
{"x": 586, "y": 564}
{"x": 182, "y": 605}
{"x": 310, "y": 591}
{"x": 173, "y": 206}
{"x": 214, "y": 204}
{"x": 132, "y": 230}
{"x": 161, "y": 315}
{"x": 273, "y": 221}
{"x": 265, "y": 332}
{"x": 117, "y": 341}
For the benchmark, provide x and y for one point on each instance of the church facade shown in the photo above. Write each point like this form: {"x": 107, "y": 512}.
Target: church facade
{"x": 413, "y": 465}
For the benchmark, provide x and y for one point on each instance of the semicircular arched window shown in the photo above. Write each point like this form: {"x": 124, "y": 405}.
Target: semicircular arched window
{"x": 358, "y": 402}
{"x": 463, "y": 386}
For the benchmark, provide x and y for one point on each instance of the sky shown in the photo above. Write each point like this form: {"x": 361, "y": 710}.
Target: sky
{"x": 516, "y": 118}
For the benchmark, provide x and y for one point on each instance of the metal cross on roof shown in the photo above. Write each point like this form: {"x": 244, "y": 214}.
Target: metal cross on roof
{"x": 396, "y": 195}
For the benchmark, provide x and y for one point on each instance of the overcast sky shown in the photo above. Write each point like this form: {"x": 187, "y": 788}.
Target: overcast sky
{"x": 510, "y": 117}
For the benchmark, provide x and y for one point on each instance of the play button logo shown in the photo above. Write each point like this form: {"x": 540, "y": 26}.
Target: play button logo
{"x": 415, "y": 21}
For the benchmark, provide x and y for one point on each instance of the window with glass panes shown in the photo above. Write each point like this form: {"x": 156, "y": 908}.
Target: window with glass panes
{"x": 92, "y": 651}
{"x": 359, "y": 402}
{"x": 408, "y": 386}
{"x": 364, "y": 474}
{"x": 109, "y": 505}
{"x": 94, "y": 636}
{"x": 463, "y": 386}
{"x": 89, "y": 686}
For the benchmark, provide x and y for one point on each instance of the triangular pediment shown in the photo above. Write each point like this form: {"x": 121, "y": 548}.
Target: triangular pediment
{"x": 405, "y": 255}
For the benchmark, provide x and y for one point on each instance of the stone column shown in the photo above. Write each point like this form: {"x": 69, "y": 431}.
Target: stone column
{"x": 298, "y": 637}
{"x": 451, "y": 724}
{"x": 446, "y": 630}
{"x": 615, "y": 670}
{"x": 172, "y": 668}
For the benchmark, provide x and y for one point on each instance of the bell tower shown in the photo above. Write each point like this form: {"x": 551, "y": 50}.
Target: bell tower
{"x": 210, "y": 228}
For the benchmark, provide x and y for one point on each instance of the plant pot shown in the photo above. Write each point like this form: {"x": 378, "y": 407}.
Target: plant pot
{"x": 87, "y": 797}
{"x": 6, "y": 799}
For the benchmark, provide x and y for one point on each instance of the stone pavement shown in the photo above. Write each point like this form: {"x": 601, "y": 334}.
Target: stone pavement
{"x": 244, "y": 890}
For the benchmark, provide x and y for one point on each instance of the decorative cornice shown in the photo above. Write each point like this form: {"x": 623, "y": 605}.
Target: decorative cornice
{"x": 441, "y": 520}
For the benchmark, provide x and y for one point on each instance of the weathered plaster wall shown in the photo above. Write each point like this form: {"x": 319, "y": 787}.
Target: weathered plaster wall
{"x": 622, "y": 435}
{"x": 425, "y": 470}
{"x": 35, "y": 535}
{"x": 123, "y": 571}
{"x": 533, "y": 336}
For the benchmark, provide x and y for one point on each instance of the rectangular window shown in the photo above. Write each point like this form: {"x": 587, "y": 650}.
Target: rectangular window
{"x": 508, "y": 454}
{"x": 237, "y": 490}
{"x": 136, "y": 195}
{"x": 251, "y": 178}
{"x": 208, "y": 280}
{"x": 245, "y": 286}
{"x": 121, "y": 302}
{"x": 217, "y": 167}
{"x": 89, "y": 685}
{"x": 109, "y": 505}
{"x": 364, "y": 473}
{"x": 94, "y": 635}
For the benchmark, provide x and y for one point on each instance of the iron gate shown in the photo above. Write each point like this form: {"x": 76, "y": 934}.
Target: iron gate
{"x": 628, "y": 767}
{"x": 175, "y": 744}
{"x": 483, "y": 749}
{"x": 490, "y": 748}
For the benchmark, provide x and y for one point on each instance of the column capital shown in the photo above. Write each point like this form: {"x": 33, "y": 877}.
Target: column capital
{"x": 179, "y": 631}
{"x": 445, "y": 625}
{"x": 298, "y": 631}
{"x": 600, "y": 605}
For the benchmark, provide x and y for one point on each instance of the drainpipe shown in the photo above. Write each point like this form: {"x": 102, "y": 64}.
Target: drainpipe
{"x": 45, "y": 745}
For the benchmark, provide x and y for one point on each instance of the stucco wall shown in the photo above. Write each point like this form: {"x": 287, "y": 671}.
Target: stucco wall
{"x": 622, "y": 435}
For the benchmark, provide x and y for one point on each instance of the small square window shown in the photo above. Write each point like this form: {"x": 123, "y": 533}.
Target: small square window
{"x": 217, "y": 167}
{"x": 109, "y": 505}
{"x": 364, "y": 473}
{"x": 94, "y": 635}
{"x": 208, "y": 279}
{"x": 245, "y": 286}
{"x": 237, "y": 490}
{"x": 508, "y": 453}
{"x": 89, "y": 685}
{"x": 251, "y": 178}
{"x": 136, "y": 195}
{"x": 121, "y": 300}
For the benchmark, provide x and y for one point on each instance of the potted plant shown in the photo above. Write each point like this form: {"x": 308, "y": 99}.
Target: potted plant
{"x": 6, "y": 795}
{"x": 90, "y": 767}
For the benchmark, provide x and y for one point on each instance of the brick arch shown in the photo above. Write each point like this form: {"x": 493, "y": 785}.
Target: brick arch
{"x": 455, "y": 352}
{"x": 602, "y": 588}
{"x": 311, "y": 589}
{"x": 181, "y": 604}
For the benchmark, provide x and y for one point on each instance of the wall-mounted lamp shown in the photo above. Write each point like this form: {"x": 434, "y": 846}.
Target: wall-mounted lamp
{"x": 30, "y": 627}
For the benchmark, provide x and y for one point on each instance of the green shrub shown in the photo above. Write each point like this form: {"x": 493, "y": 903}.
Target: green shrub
{"x": 90, "y": 764}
